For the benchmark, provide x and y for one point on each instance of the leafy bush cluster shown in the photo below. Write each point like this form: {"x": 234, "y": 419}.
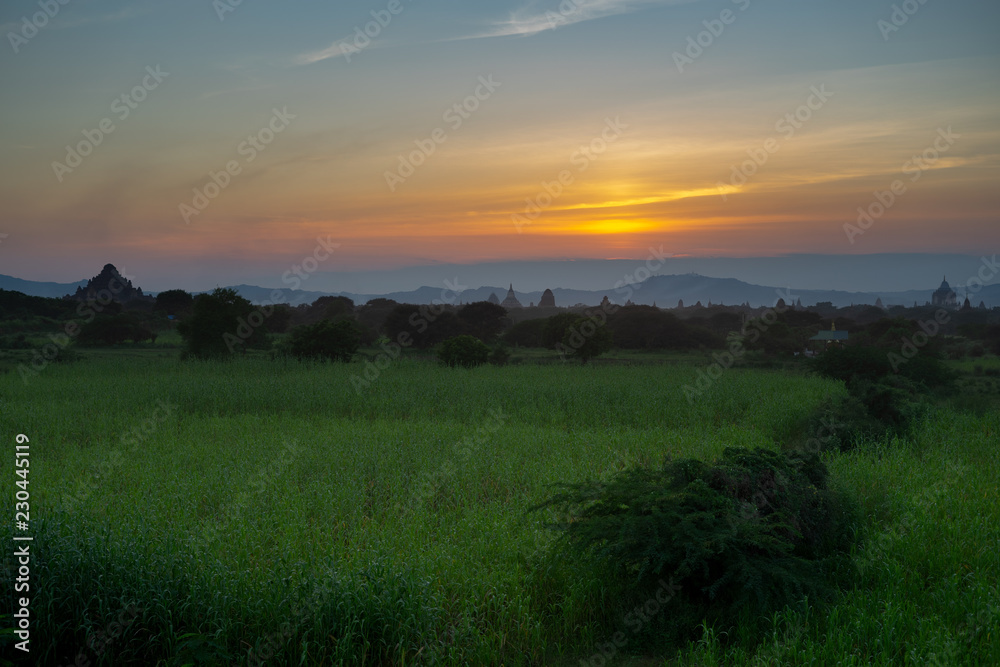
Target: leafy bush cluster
{"x": 326, "y": 339}
{"x": 884, "y": 400}
{"x": 465, "y": 351}
{"x": 755, "y": 527}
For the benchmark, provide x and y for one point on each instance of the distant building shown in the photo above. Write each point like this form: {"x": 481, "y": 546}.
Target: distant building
{"x": 832, "y": 336}
{"x": 944, "y": 296}
{"x": 493, "y": 298}
{"x": 511, "y": 301}
{"x": 878, "y": 303}
{"x": 548, "y": 299}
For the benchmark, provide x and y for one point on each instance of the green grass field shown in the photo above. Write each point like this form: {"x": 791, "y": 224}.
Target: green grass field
{"x": 265, "y": 508}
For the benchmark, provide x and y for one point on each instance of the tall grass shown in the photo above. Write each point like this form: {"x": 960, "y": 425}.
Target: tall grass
{"x": 275, "y": 509}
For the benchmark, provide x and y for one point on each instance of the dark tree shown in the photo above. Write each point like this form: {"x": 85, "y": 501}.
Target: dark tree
{"x": 373, "y": 314}
{"x": 426, "y": 326}
{"x": 556, "y": 328}
{"x": 174, "y": 302}
{"x": 405, "y": 318}
{"x": 279, "y": 319}
{"x": 104, "y": 330}
{"x": 326, "y": 339}
{"x": 526, "y": 334}
{"x": 484, "y": 320}
{"x": 115, "y": 330}
{"x": 221, "y": 323}
{"x": 585, "y": 339}
{"x": 776, "y": 338}
{"x": 648, "y": 328}
{"x": 333, "y": 307}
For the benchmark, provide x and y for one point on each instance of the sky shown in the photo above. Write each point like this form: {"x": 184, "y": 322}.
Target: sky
{"x": 196, "y": 143}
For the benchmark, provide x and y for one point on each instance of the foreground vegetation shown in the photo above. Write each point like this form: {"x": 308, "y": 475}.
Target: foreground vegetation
{"x": 267, "y": 511}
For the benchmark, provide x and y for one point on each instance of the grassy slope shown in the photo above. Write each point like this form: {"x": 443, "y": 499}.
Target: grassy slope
{"x": 213, "y": 525}
{"x": 929, "y": 592}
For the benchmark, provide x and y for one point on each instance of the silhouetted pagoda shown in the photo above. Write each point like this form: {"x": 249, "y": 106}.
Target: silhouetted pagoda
{"x": 548, "y": 300}
{"x": 109, "y": 280}
{"x": 944, "y": 295}
{"x": 511, "y": 301}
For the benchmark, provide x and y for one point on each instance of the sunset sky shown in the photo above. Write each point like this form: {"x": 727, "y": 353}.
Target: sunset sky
{"x": 592, "y": 91}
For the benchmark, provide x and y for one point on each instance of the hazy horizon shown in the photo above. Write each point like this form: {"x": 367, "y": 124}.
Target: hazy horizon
{"x": 865, "y": 273}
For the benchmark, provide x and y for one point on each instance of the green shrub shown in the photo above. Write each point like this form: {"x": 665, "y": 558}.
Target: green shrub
{"x": 853, "y": 363}
{"x": 499, "y": 355}
{"x": 863, "y": 363}
{"x": 335, "y": 341}
{"x": 466, "y": 351}
{"x": 15, "y": 342}
{"x": 884, "y": 400}
{"x": 756, "y": 527}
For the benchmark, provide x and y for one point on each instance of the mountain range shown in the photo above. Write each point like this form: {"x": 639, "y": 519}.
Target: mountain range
{"x": 663, "y": 290}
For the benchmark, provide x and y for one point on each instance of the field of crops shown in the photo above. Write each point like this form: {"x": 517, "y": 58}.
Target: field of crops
{"x": 265, "y": 511}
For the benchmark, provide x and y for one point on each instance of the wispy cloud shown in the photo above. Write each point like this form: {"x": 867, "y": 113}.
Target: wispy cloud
{"x": 532, "y": 18}
{"x": 538, "y": 16}
{"x": 333, "y": 51}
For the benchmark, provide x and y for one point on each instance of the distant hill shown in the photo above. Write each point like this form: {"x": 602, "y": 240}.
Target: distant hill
{"x": 664, "y": 290}
{"x": 255, "y": 294}
{"x": 35, "y": 288}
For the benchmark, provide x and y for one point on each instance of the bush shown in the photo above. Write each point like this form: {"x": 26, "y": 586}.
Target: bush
{"x": 756, "y": 527}
{"x": 18, "y": 342}
{"x": 864, "y": 363}
{"x": 335, "y": 341}
{"x": 466, "y": 351}
{"x": 853, "y": 363}
{"x": 883, "y": 401}
{"x": 499, "y": 355}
